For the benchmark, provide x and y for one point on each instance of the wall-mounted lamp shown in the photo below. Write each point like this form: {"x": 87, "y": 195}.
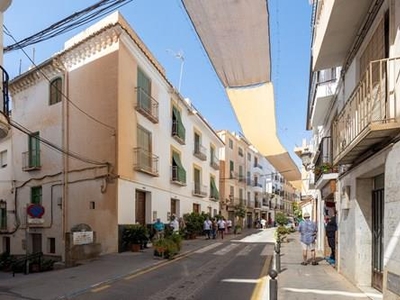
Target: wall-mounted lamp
{"x": 306, "y": 159}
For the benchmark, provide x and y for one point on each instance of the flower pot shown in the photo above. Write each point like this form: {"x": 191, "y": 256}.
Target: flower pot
{"x": 135, "y": 247}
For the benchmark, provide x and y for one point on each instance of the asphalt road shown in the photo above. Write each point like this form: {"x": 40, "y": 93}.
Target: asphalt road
{"x": 222, "y": 270}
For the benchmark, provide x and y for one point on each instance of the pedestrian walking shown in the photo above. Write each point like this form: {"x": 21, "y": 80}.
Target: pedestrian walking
{"x": 214, "y": 228}
{"x": 207, "y": 226}
{"x": 308, "y": 234}
{"x": 221, "y": 227}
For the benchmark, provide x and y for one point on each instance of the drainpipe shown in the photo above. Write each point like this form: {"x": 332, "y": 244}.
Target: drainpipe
{"x": 65, "y": 143}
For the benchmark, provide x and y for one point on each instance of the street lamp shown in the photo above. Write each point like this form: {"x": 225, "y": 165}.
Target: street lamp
{"x": 306, "y": 159}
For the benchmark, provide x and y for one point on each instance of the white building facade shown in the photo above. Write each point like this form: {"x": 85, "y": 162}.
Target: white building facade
{"x": 353, "y": 110}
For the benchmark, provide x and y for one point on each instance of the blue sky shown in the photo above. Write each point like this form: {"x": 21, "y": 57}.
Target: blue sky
{"x": 164, "y": 26}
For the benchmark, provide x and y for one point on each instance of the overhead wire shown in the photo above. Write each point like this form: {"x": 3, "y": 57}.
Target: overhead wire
{"x": 7, "y": 32}
{"x": 69, "y": 23}
{"x": 23, "y": 129}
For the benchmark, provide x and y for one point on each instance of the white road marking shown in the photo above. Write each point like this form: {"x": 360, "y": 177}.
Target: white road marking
{"x": 209, "y": 247}
{"x": 246, "y": 250}
{"x": 225, "y": 250}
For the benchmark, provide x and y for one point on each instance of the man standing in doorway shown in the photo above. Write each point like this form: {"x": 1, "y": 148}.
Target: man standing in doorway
{"x": 308, "y": 233}
{"x": 330, "y": 230}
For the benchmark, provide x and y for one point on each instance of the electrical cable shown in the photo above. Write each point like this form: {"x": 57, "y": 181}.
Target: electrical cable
{"x": 69, "y": 23}
{"x": 7, "y": 32}
{"x": 54, "y": 146}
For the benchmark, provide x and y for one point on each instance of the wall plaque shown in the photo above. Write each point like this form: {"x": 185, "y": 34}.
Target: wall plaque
{"x": 82, "y": 238}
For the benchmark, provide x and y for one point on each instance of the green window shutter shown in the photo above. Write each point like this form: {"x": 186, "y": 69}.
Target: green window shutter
{"x": 55, "y": 91}
{"x": 181, "y": 129}
{"x": 181, "y": 170}
{"x": 214, "y": 190}
{"x": 3, "y": 218}
{"x": 34, "y": 150}
{"x": 144, "y": 90}
{"x": 36, "y": 195}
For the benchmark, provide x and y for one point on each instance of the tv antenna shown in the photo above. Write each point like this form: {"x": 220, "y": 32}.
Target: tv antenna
{"x": 178, "y": 55}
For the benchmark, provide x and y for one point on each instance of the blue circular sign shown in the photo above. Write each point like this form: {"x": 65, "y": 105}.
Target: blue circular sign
{"x": 35, "y": 210}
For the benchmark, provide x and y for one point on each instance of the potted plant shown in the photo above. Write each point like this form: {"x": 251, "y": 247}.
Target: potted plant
{"x": 134, "y": 236}
{"x": 237, "y": 229}
{"x": 193, "y": 225}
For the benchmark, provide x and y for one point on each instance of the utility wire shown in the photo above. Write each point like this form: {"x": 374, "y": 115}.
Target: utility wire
{"x": 54, "y": 146}
{"x": 7, "y": 32}
{"x": 69, "y": 23}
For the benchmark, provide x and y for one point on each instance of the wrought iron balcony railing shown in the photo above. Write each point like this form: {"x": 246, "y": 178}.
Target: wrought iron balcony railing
{"x": 371, "y": 108}
{"x": 199, "y": 190}
{"x": 147, "y": 105}
{"x": 31, "y": 161}
{"x": 145, "y": 161}
{"x": 200, "y": 152}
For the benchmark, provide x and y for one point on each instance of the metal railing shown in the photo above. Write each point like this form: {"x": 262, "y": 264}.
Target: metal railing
{"x": 31, "y": 160}
{"x": 199, "y": 190}
{"x": 200, "y": 151}
{"x": 145, "y": 161}
{"x": 147, "y": 105}
{"x": 372, "y": 101}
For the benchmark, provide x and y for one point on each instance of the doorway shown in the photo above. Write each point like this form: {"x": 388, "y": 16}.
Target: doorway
{"x": 377, "y": 238}
{"x": 140, "y": 207}
{"x": 36, "y": 242}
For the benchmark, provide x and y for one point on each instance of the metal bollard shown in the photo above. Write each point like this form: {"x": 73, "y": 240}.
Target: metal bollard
{"x": 277, "y": 258}
{"x": 273, "y": 285}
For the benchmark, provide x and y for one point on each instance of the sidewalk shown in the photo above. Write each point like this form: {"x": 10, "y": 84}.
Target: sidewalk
{"x": 313, "y": 282}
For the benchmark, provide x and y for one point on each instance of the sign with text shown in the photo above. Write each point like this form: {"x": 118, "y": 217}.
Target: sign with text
{"x": 82, "y": 238}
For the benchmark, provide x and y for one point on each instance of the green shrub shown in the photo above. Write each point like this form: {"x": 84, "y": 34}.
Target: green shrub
{"x": 281, "y": 219}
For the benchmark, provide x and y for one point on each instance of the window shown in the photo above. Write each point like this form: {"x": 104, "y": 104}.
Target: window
{"x": 230, "y": 144}
{"x": 144, "y": 138}
{"x": 231, "y": 169}
{"x": 51, "y": 245}
{"x": 144, "y": 91}
{"x": 178, "y": 130}
{"x": 3, "y": 215}
{"x": 248, "y": 156}
{"x": 178, "y": 172}
{"x": 240, "y": 152}
{"x": 34, "y": 150}
{"x": 197, "y": 181}
{"x": 36, "y": 195}
{"x": 3, "y": 159}
{"x": 214, "y": 194}
{"x": 196, "y": 208}
{"x": 55, "y": 91}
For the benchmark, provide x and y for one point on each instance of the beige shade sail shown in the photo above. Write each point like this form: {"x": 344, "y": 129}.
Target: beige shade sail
{"x": 235, "y": 35}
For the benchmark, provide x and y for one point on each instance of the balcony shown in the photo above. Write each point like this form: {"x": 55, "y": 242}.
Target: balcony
{"x": 145, "y": 162}
{"x": 178, "y": 175}
{"x": 199, "y": 190}
{"x": 31, "y": 161}
{"x": 324, "y": 170}
{"x": 214, "y": 163}
{"x": 369, "y": 116}
{"x": 200, "y": 152}
{"x": 146, "y": 105}
{"x": 336, "y": 24}
{"x": 322, "y": 92}
{"x": 5, "y": 108}
{"x": 178, "y": 132}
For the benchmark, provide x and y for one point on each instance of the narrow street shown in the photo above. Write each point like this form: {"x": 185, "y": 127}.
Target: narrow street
{"x": 223, "y": 269}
